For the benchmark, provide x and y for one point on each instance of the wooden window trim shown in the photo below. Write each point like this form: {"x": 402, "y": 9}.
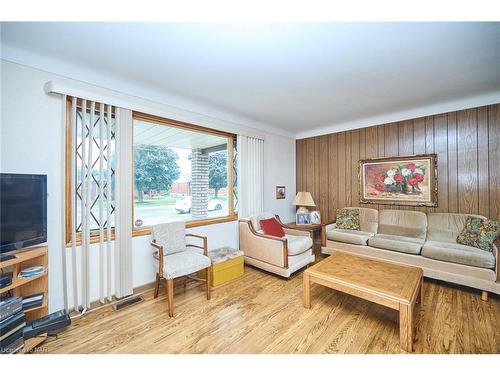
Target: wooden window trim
{"x": 145, "y": 231}
{"x": 232, "y": 214}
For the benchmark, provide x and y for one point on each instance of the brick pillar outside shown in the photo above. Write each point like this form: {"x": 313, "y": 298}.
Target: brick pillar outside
{"x": 199, "y": 184}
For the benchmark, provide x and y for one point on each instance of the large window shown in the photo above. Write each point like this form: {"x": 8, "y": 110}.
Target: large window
{"x": 181, "y": 172}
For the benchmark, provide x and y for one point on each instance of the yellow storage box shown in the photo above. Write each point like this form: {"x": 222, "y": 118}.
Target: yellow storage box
{"x": 227, "y": 265}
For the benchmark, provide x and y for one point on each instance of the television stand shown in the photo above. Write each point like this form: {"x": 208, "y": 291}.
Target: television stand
{"x": 28, "y": 286}
{"x": 6, "y": 257}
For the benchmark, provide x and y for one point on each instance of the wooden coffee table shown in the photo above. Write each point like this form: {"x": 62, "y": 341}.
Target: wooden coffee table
{"x": 393, "y": 285}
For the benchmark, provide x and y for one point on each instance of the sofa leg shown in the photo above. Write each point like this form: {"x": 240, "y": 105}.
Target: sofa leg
{"x": 484, "y": 295}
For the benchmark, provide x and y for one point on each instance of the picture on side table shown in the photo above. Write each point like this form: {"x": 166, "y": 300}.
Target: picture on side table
{"x": 315, "y": 217}
{"x": 400, "y": 180}
{"x": 303, "y": 219}
{"x": 280, "y": 192}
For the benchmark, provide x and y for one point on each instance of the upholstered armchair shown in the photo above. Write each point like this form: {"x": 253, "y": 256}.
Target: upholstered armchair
{"x": 176, "y": 258}
{"x": 280, "y": 255}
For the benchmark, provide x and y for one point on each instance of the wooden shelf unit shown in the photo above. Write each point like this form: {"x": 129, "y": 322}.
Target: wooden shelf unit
{"x": 21, "y": 287}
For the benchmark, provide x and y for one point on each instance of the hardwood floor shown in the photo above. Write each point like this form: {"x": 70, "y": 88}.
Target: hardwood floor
{"x": 262, "y": 313}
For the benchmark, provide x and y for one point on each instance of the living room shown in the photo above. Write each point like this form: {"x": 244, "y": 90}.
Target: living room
{"x": 250, "y": 187}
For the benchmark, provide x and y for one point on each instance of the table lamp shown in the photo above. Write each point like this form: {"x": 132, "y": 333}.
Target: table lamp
{"x": 303, "y": 199}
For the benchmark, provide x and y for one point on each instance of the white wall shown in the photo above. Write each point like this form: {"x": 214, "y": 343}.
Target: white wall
{"x": 279, "y": 169}
{"x": 32, "y": 141}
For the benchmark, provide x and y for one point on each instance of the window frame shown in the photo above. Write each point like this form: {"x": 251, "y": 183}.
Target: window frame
{"x": 231, "y": 141}
{"x": 143, "y": 231}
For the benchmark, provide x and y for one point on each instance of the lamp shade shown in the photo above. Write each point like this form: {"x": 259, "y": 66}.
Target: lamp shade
{"x": 303, "y": 198}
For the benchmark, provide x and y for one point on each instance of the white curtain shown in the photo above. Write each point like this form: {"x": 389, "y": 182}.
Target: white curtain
{"x": 250, "y": 176}
{"x": 100, "y": 138}
{"x": 124, "y": 197}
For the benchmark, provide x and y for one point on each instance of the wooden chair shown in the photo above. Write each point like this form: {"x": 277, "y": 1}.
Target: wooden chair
{"x": 176, "y": 258}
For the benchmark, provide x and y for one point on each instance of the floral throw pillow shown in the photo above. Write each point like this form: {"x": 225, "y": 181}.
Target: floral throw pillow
{"x": 348, "y": 218}
{"x": 479, "y": 233}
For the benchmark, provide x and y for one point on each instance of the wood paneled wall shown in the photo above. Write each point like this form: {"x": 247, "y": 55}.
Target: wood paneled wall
{"x": 467, "y": 143}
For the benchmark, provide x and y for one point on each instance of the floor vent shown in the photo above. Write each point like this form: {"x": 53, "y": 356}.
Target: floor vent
{"x": 128, "y": 301}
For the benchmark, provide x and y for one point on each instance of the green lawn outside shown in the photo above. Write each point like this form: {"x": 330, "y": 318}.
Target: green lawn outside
{"x": 167, "y": 200}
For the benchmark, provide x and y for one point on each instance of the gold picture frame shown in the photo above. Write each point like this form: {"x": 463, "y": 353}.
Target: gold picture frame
{"x": 399, "y": 180}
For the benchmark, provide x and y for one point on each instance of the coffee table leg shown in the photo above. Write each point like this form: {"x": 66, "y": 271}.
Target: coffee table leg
{"x": 406, "y": 327}
{"x": 307, "y": 290}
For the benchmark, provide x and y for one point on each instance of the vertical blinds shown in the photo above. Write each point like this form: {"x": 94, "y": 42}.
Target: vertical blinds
{"x": 100, "y": 175}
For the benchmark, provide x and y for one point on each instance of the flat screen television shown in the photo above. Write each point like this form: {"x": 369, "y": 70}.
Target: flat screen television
{"x": 23, "y": 210}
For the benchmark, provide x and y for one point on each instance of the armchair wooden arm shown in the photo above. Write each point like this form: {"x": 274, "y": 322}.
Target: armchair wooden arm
{"x": 159, "y": 250}
{"x": 205, "y": 243}
{"x": 294, "y": 229}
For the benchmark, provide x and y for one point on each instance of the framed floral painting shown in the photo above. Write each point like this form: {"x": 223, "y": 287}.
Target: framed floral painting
{"x": 400, "y": 180}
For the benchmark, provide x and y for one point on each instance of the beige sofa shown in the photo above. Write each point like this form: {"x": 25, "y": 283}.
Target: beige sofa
{"x": 282, "y": 256}
{"x": 424, "y": 240}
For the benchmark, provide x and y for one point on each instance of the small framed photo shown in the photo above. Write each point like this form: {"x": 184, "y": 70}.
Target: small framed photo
{"x": 303, "y": 219}
{"x": 280, "y": 192}
{"x": 315, "y": 217}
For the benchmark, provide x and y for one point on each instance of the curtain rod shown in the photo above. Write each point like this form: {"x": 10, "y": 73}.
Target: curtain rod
{"x": 134, "y": 103}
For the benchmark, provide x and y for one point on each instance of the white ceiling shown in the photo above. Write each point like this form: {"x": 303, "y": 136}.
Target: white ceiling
{"x": 293, "y": 77}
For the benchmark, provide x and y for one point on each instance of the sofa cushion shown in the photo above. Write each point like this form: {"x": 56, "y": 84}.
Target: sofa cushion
{"x": 255, "y": 219}
{"x": 348, "y": 218}
{"x": 400, "y": 230}
{"x": 403, "y": 223}
{"x": 479, "y": 233}
{"x": 271, "y": 227}
{"x": 355, "y": 237}
{"x": 402, "y": 244}
{"x": 298, "y": 244}
{"x": 444, "y": 227}
{"x": 456, "y": 253}
{"x": 368, "y": 219}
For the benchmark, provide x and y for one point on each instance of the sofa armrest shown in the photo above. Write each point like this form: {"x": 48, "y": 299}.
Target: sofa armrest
{"x": 269, "y": 249}
{"x": 324, "y": 230}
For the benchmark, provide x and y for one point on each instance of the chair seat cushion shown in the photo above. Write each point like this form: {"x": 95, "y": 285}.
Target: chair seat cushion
{"x": 184, "y": 263}
{"x": 457, "y": 253}
{"x": 409, "y": 245}
{"x": 298, "y": 244}
{"x": 355, "y": 237}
